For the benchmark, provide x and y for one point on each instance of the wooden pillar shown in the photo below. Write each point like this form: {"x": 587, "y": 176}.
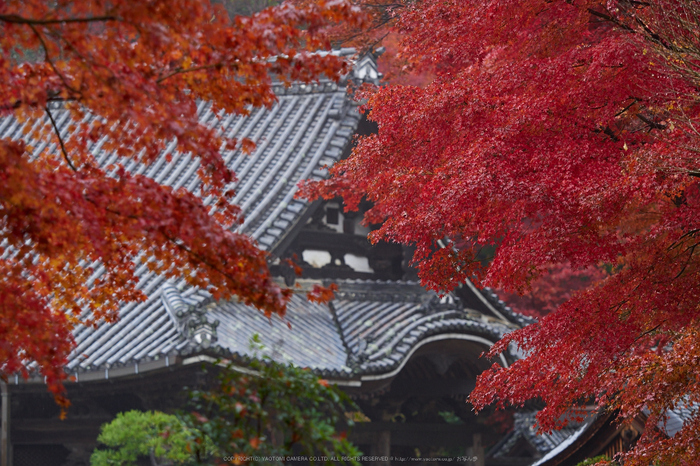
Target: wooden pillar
{"x": 478, "y": 450}
{"x": 5, "y": 459}
{"x": 382, "y": 447}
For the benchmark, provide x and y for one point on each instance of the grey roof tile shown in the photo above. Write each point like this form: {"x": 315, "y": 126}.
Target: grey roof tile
{"x": 676, "y": 418}
{"x": 495, "y": 301}
{"x": 312, "y": 340}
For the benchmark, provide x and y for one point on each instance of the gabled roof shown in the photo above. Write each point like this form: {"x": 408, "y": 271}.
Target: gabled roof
{"x": 307, "y": 129}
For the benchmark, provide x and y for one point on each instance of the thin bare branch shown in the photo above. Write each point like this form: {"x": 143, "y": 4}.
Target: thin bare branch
{"x": 16, "y": 19}
{"x": 60, "y": 139}
{"x": 690, "y": 256}
{"x": 49, "y": 61}
{"x": 634, "y": 101}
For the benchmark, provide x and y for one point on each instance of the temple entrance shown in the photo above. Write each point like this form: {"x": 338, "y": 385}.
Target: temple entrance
{"x": 422, "y": 412}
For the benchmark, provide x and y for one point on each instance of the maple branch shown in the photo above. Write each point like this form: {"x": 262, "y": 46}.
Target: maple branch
{"x": 637, "y": 338}
{"x": 112, "y": 211}
{"x": 384, "y": 19}
{"x": 196, "y": 256}
{"x": 18, "y": 103}
{"x": 634, "y": 101}
{"x": 60, "y": 139}
{"x": 608, "y": 132}
{"x": 16, "y": 19}
{"x": 611, "y": 19}
{"x": 687, "y": 261}
{"x": 655, "y": 37}
{"x": 378, "y": 41}
{"x": 170, "y": 239}
{"x": 87, "y": 59}
{"x": 652, "y": 124}
{"x": 373, "y": 28}
{"x": 14, "y": 106}
{"x": 647, "y": 332}
{"x": 49, "y": 61}
{"x": 677, "y": 243}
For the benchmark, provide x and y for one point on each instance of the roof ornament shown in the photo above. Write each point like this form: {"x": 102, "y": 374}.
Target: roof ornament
{"x": 365, "y": 69}
{"x": 197, "y": 327}
{"x": 191, "y": 321}
{"x": 432, "y": 303}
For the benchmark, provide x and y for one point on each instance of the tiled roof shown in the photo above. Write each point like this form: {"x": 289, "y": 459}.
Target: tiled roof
{"x": 559, "y": 442}
{"x": 371, "y": 327}
{"x": 525, "y": 428}
{"x": 307, "y": 129}
{"x": 565, "y": 443}
{"x": 677, "y": 417}
{"x": 311, "y": 339}
{"x": 504, "y": 309}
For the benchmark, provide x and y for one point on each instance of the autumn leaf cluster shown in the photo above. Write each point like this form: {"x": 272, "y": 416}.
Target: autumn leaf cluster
{"x": 563, "y": 133}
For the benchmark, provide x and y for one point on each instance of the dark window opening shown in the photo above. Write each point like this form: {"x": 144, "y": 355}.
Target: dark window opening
{"x": 332, "y": 216}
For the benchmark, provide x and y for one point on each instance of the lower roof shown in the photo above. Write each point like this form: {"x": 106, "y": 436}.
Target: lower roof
{"x": 368, "y": 331}
{"x": 369, "y": 328}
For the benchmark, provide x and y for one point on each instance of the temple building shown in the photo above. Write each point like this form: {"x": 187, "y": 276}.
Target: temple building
{"x": 408, "y": 357}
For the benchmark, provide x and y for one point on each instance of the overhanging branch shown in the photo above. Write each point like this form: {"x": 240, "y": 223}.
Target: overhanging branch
{"x": 60, "y": 139}
{"x": 16, "y": 19}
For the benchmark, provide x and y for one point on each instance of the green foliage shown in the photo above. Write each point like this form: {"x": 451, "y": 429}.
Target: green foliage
{"x": 135, "y": 434}
{"x": 450, "y": 417}
{"x": 256, "y": 415}
{"x": 273, "y": 410}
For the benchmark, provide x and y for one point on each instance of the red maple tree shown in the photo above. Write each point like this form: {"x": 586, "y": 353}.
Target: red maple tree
{"x": 562, "y": 132}
{"x": 130, "y": 75}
